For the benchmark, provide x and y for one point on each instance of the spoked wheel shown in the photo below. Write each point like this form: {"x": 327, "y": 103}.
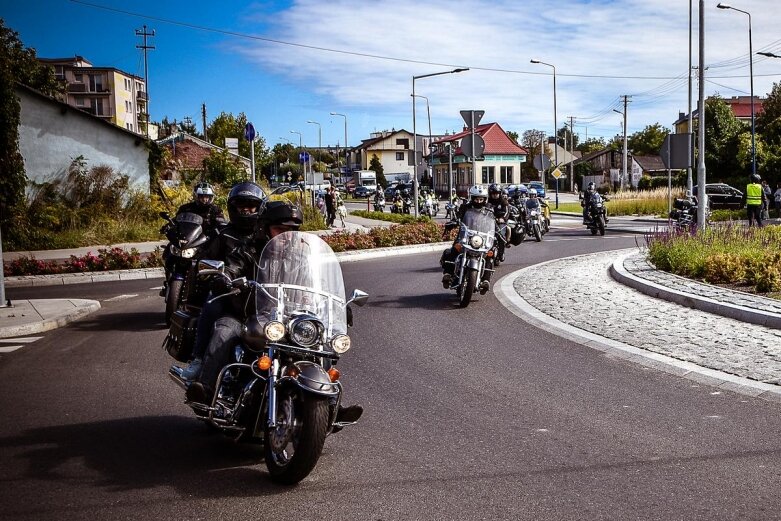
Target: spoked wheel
{"x": 293, "y": 447}
{"x": 601, "y": 224}
{"x": 467, "y": 287}
{"x": 537, "y": 233}
{"x": 172, "y": 299}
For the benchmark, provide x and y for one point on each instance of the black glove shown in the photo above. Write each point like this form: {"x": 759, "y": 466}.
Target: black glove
{"x": 220, "y": 285}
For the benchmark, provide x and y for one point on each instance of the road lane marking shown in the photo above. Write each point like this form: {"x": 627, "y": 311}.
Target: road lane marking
{"x": 24, "y": 340}
{"x": 120, "y": 297}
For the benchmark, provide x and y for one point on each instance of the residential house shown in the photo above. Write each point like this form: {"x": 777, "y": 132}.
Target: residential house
{"x": 740, "y": 105}
{"x": 393, "y": 148}
{"x": 52, "y": 134}
{"x": 187, "y": 154}
{"x": 607, "y": 168}
{"x": 500, "y": 162}
{"x": 108, "y": 93}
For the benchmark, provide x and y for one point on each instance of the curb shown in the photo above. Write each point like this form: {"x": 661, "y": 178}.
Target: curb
{"x": 84, "y": 308}
{"x": 157, "y": 273}
{"x": 742, "y": 313}
{"x": 518, "y": 306}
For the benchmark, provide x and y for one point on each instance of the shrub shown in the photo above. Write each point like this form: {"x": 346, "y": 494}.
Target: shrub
{"x": 724, "y": 268}
{"x": 400, "y": 218}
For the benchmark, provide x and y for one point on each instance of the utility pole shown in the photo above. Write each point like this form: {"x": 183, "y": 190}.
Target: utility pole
{"x": 146, "y": 47}
{"x": 625, "y": 159}
{"x": 702, "y": 198}
{"x": 572, "y": 154}
{"x": 203, "y": 114}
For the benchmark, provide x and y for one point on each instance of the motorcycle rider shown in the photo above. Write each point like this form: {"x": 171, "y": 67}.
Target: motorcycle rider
{"x": 585, "y": 199}
{"x": 501, "y": 205}
{"x": 277, "y": 217}
{"x": 478, "y": 199}
{"x": 379, "y": 199}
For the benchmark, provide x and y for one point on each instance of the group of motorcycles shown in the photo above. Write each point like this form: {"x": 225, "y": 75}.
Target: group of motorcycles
{"x": 428, "y": 204}
{"x": 282, "y": 389}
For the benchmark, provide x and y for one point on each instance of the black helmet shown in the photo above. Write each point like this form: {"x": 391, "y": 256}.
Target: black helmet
{"x": 494, "y": 189}
{"x": 245, "y": 192}
{"x": 591, "y": 187}
{"x": 203, "y": 189}
{"x": 755, "y": 178}
{"x": 282, "y": 213}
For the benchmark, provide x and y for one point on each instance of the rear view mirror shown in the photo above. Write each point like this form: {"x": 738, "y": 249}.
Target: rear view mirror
{"x": 359, "y": 298}
{"x": 206, "y": 264}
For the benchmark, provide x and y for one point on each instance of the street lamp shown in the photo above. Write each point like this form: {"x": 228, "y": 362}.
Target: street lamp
{"x": 751, "y": 75}
{"x": 415, "y": 133}
{"x": 431, "y": 150}
{"x": 625, "y": 153}
{"x": 319, "y": 148}
{"x": 555, "y": 125}
{"x": 345, "y": 142}
{"x": 769, "y": 54}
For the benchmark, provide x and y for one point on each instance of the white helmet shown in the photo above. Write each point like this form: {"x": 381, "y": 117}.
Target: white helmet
{"x": 203, "y": 189}
{"x": 478, "y": 191}
{"x": 532, "y": 192}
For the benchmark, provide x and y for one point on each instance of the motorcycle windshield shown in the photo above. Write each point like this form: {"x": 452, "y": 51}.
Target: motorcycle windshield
{"x": 189, "y": 225}
{"x": 480, "y": 222}
{"x": 532, "y": 204}
{"x": 596, "y": 199}
{"x": 299, "y": 273}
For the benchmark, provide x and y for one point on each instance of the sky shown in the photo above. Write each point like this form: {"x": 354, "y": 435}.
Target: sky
{"x": 284, "y": 63}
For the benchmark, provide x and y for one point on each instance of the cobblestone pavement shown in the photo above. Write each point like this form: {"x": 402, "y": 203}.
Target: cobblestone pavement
{"x": 580, "y": 292}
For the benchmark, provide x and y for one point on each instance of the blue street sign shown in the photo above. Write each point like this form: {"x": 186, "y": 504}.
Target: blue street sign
{"x": 249, "y": 132}
{"x": 303, "y": 157}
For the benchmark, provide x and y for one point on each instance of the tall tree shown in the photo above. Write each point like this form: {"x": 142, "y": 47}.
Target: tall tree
{"x": 648, "y": 141}
{"x": 722, "y": 142}
{"x": 17, "y": 64}
{"x": 533, "y": 141}
{"x": 563, "y": 137}
{"x": 768, "y": 128}
{"x": 228, "y": 125}
{"x": 376, "y": 165}
{"x": 513, "y": 135}
{"x": 590, "y": 145}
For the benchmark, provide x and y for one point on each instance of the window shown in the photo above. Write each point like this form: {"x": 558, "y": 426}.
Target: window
{"x": 128, "y": 106}
{"x": 506, "y": 175}
{"x": 488, "y": 175}
{"x": 96, "y": 83}
{"x": 97, "y": 106}
{"x": 402, "y": 143}
{"x": 129, "y": 126}
{"x": 59, "y": 72}
{"x": 79, "y": 102}
{"x": 79, "y": 78}
{"x": 128, "y": 84}
{"x": 399, "y": 156}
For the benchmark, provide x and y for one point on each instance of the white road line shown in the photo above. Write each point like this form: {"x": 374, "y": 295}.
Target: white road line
{"x": 24, "y": 340}
{"x": 8, "y": 349}
{"x": 120, "y": 297}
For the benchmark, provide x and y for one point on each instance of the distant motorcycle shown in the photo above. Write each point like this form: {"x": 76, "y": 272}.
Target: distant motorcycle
{"x": 475, "y": 248}
{"x": 379, "y": 204}
{"x": 596, "y": 214}
{"x": 533, "y": 223}
{"x": 684, "y": 214}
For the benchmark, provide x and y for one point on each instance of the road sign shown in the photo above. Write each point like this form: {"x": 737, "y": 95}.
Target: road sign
{"x": 466, "y": 145}
{"x": 303, "y": 157}
{"x": 249, "y": 132}
{"x": 556, "y": 173}
{"x": 467, "y": 115}
{"x": 541, "y": 162}
{"x": 675, "y": 151}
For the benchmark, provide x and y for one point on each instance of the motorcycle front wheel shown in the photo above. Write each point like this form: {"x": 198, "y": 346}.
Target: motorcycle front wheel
{"x": 601, "y": 224}
{"x": 467, "y": 287}
{"x": 172, "y": 299}
{"x": 293, "y": 447}
{"x": 537, "y": 233}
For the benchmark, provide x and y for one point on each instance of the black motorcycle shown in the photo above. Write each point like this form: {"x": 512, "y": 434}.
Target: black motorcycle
{"x": 684, "y": 214}
{"x": 533, "y": 223}
{"x": 596, "y": 214}
{"x": 185, "y": 236}
{"x": 475, "y": 254}
{"x": 282, "y": 389}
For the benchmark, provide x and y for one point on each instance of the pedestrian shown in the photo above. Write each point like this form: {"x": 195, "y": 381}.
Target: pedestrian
{"x": 754, "y": 198}
{"x": 330, "y": 206}
{"x": 777, "y": 197}
{"x": 767, "y": 200}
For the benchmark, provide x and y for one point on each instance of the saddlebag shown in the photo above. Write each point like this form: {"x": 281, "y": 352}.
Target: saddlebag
{"x": 181, "y": 335}
{"x": 516, "y": 235}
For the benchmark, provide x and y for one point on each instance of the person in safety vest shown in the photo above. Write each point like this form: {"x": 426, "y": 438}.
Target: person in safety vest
{"x": 755, "y": 197}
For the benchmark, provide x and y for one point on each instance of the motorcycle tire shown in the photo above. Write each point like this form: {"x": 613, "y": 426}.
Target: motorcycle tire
{"x": 302, "y": 425}
{"x": 593, "y": 230}
{"x": 537, "y": 233}
{"x": 467, "y": 287}
{"x": 601, "y": 224}
{"x": 172, "y": 299}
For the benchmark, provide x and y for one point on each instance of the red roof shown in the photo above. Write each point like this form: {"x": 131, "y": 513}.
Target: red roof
{"x": 496, "y": 140}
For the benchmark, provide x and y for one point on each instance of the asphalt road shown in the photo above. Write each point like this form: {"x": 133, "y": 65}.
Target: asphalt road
{"x": 470, "y": 414}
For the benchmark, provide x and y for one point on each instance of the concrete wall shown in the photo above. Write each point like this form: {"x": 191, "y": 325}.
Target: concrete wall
{"x": 53, "y": 134}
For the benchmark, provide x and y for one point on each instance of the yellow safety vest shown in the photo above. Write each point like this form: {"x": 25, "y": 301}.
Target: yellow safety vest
{"x": 753, "y": 194}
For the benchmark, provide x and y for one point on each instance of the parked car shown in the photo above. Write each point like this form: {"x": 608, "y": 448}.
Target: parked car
{"x": 722, "y": 196}
{"x": 363, "y": 191}
{"x": 537, "y": 185}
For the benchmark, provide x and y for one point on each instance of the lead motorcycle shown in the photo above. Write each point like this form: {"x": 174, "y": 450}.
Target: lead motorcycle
{"x": 596, "y": 214}
{"x": 533, "y": 222}
{"x": 283, "y": 390}
{"x": 185, "y": 236}
{"x": 475, "y": 253}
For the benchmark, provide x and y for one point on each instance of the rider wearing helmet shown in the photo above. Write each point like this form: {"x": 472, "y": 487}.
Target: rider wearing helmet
{"x": 203, "y": 205}
{"x": 585, "y": 199}
{"x": 498, "y": 199}
{"x": 755, "y": 197}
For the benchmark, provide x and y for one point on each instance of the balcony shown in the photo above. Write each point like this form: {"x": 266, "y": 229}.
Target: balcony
{"x": 77, "y": 87}
{"x": 141, "y": 95}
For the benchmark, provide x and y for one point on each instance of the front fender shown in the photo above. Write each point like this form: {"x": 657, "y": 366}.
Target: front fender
{"x": 474, "y": 263}
{"x": 313, "y": 378}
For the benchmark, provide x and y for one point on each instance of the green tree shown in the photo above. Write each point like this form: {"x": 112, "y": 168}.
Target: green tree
{"x": 17, "y": 64}
{"x": 374, "y": 164}
{"x": 223, "y": 168}
{"x": 563, "y": 137}
{"x": 228, "y": 125}
{"x": 513, "y": 135}
{"x": 722, "y": 142}
{"x": 187, "y": 126}
{"x": 768, "y": 130}
{"x": 648, "y": 141}
{"x": 591, "y": 145}
{"x": 532, "y": 141}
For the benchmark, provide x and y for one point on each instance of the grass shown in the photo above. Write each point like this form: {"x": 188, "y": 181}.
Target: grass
{"x": 399, "y": 218}
{"x": 731, "y": 254}
{"x": 628, "y": 202}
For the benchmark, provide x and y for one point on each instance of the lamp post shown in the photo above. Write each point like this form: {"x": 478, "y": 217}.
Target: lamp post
{"x": 415, "y": 132}
{"x": 769, "y": 54}
{"x": 319, "y": 148}
{"x": 751, "y": 76}
{"x": 625, "y": 158}
{"x": 431, "y": 151}
{"x": 300, "y": 148}
{"x": 555, "y": 125}
{"x": 345, "y": 142}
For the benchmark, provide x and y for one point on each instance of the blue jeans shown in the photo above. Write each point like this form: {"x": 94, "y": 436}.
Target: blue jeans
{"x": 209, "y": 315}
{"x": 226, "y": 334}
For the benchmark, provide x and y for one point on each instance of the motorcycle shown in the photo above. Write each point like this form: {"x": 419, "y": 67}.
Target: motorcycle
{"x": 545, "y": 220}
{"x": 282, "y": 389}
{"x": 379, "y": 204}
{"x": 533, "y": 223}
{"x": 185, "y": 236}
{"x": 684, "y": 214}
{"x": 475, "y": 247}
{"x": 451, "y": 209}
{"x": 596, "y": 214}
{"x": 406, "y": 204}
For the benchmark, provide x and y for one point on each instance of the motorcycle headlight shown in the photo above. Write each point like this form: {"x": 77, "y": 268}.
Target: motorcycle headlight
{"x": 475, "y": 241}
{"x": 188, "y": 253}
{"x": 534, "y": 213}
{"x": 341, "y": 343}
{"x": 305, "y": 333}
{"x": 274, "y": 331}
{"x": 175, "y": 251}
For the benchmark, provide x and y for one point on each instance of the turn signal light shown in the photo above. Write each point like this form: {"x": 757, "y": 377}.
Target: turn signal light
{"x": 292, "y": 371}
{"x": 458, "y": 246}
{"x": 334, "y": 374}
{"x": 264, "y": 363}
{"x": 490, "y": 253}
